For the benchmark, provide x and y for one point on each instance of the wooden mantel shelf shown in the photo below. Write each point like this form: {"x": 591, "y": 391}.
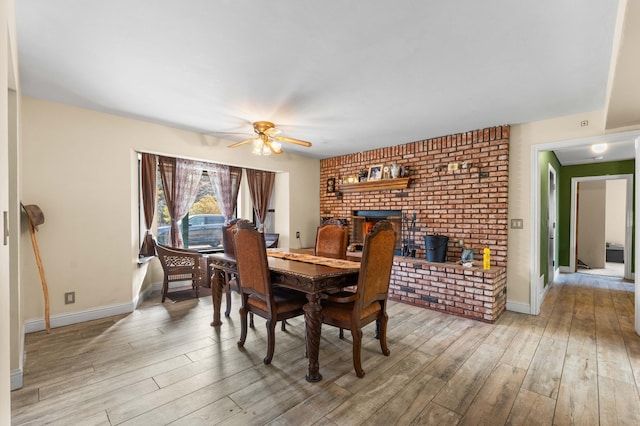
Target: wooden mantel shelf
{"x": 375, "y": 185}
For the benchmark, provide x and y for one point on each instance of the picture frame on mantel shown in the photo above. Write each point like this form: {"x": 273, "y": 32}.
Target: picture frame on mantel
{"x": 375, "y": 172}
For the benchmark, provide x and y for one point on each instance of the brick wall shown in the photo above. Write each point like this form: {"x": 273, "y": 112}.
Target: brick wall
{"x": 470, "y": 203}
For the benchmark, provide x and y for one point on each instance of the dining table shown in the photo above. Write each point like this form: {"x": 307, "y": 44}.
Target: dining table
{"x": 298, "y": 270}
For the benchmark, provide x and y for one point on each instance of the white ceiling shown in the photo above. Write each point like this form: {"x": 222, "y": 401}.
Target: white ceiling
{"x": 348, "y": 76}
{"x": 615, "y": 151}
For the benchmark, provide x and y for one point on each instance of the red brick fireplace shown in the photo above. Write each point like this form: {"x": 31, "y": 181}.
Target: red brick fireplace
{"x": 457, "y": 187}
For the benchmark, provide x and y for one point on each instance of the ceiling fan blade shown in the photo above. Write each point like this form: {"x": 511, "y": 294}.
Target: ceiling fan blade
{"x": 225, "y": 134}
{"x": 294, "y": 141}
{"x": 233, "y": 145}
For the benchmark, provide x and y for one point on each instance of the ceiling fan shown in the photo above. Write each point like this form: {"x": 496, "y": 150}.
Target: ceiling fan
{"x": 268, "y": 142}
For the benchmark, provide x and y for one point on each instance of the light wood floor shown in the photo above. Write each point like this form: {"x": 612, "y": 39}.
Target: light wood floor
{"x": 578, "y": 362}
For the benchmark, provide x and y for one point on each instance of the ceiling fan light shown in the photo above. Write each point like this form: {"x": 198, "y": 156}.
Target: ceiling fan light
{"x": 599, "y": 148}
{"x": 277, "y": 146}
{"x": 265, "y": 150}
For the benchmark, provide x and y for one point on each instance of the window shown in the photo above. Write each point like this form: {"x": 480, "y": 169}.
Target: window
{"x": 204, "y": 229}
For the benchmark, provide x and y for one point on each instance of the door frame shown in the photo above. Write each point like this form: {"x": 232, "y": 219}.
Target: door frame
{"x": 536, "y": 291}
{"x": 628, "y": 219}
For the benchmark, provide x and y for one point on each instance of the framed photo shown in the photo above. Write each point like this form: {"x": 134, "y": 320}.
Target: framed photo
{"x": 331, "y": 185}
{"x": 375, "y": 172}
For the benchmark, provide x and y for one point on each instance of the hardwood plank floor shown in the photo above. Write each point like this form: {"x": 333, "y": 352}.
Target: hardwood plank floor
{"x": 578, "y": 362}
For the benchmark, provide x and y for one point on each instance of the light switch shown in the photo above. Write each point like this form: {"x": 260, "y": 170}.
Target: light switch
{"x": 517, "y": 223}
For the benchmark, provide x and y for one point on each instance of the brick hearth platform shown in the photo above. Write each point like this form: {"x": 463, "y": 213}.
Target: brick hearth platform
{"x": 469, "y": 292}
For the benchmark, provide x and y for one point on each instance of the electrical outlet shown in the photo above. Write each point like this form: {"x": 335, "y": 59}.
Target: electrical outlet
{"x": 70, "y": 298}
{"x": 297, "y": 234}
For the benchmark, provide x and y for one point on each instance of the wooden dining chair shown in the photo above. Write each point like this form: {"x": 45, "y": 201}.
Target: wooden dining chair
{"x": 258, "y": 295}
{"x": 182, "y": 265}
{"x": 354, "y": 310}
{"x": 332, "y": 238}
{"x": 230, "y": 280}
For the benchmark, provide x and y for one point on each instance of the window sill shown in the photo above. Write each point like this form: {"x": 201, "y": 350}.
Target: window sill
{"x": 146, "y": 259}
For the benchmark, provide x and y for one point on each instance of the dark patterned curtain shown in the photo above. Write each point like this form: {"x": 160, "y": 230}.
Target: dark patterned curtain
{"x": 261, "y": 187}
{"x": 180, "y": 179}
{"x": 149, "y": 193}
{"x": 226, "y": 183}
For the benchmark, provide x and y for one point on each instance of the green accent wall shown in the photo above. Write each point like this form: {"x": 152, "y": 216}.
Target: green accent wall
{"x": 565, "y": 174}
{"x": 544, "y": 160}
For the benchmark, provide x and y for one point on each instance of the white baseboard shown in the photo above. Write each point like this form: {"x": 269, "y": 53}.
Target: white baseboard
{"x": 521, "y": 308}
{"x": 565, "y": 270}
{"x": 16, "y": 379}
{"x": 61, "y": 320}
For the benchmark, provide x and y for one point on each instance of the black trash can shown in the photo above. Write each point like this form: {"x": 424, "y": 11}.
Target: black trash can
{"x": 436, "y": 247}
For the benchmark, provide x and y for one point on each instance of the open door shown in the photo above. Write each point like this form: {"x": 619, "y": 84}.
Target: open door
{"x": 551, "y": 226}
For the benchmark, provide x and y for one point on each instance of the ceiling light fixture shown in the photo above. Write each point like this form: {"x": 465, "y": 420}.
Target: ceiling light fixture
{"x": 264, "y": 146}
{"x": 599, "y": 148}
{"x": 268, "y": 142}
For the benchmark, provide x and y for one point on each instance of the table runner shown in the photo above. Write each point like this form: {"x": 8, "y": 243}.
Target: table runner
{"x": 318, "y": 260}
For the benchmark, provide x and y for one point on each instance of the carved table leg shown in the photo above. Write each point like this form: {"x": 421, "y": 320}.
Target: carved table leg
{"x": 217, "y": 284}
{"x": 313, "y": 324}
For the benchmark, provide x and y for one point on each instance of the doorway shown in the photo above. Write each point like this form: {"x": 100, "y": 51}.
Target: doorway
{"x": 536, "y": 284}
{"x": 602, "y": 225}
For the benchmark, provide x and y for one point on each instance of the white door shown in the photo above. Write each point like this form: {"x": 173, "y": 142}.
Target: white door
{"x": 551, "y": 226}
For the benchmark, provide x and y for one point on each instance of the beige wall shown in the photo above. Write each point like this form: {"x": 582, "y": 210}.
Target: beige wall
{"x": 80, "y": 167}
{"x": 591, "y": 222}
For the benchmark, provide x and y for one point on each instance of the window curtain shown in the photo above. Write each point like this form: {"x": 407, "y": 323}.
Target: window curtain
{"x": 149, "y": 193}
{"x": 260, "y": 187}
{"x": 226, "y": 183}
{"x": 180, "y": 179}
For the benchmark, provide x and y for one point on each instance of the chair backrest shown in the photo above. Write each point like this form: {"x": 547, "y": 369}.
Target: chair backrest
{"x": 251, "y": 259}
{"x": 376, "y": 263}
{"x": 332, "y": 238}
{"x": 227, "y": 238}
{"x": 178, "y": 263}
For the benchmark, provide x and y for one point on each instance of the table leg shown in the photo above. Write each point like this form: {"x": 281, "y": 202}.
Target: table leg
{"x": 313, "y": 323}
{"x": 217, "y": 284}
